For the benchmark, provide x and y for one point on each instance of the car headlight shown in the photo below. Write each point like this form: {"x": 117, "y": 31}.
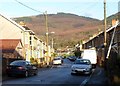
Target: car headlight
{"x": 73, "y": 67}
{"x": 87, "y": 69}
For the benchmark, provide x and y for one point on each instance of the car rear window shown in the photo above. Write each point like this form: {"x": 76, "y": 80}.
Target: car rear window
{"x": 82, "y": 62}
{"x": 56, "y": 58}
{"x": 17, "y": 63}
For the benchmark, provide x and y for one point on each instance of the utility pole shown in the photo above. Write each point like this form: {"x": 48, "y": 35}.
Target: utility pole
{"x": 105, "y": 24}
{"x": 105, "y": 36}
{"x": 46, "y": 26}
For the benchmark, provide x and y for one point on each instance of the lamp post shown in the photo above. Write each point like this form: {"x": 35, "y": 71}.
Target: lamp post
{"x": 52, "y": 41}
{"x": 52, "y": 47}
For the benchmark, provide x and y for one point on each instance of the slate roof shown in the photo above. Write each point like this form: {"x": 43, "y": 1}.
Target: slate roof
{"x": 8, "y": 45}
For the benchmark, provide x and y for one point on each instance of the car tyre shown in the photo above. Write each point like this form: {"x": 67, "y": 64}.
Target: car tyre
{"x": 72, "y": 73}
{"x": 8, "y": 75}
{"x": 90, "y": 72}
{"x": 36, "y": 72}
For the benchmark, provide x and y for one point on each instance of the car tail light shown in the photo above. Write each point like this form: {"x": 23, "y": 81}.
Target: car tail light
{"x": 8, "y": 67}
{"x": 21, "y": 68}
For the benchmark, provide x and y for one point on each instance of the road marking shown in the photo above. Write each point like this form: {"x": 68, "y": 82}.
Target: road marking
{"x": 84, "y": 82}
{"x": 60, "y": 66}
{"x": 99, "y": 73}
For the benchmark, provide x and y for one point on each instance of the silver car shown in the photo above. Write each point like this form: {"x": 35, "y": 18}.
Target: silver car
{"x": 57, "y": 61}
{"x": 83, "y": 66}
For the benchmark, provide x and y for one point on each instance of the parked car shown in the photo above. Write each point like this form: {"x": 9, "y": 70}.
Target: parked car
{"x": 83, "y": 66}
{"x": 21, "y": 67}
{"x": 57, "y": 61}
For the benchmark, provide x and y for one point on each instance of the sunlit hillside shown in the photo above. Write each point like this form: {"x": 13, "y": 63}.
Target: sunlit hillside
{"x": 69, "y": 28}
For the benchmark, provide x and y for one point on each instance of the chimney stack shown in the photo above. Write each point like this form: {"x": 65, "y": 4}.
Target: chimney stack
{"x": 22, "y": 23}
{"x": 114, "y": 22}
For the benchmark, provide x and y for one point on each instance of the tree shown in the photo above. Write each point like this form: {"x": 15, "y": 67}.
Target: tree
{"x": 77, "y": 52}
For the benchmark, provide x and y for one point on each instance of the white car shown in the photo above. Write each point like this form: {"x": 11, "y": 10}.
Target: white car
{"x": 57, "y": 61}
{"x": 83, "y": 66}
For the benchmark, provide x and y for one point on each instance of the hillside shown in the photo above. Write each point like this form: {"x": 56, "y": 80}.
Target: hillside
{"x": 114, "y": 16}
{"x": 69, "y": 28}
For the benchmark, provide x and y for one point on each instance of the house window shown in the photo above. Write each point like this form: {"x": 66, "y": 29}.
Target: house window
{"x": 30, "y": 40}
{"x": 30, "y": 43}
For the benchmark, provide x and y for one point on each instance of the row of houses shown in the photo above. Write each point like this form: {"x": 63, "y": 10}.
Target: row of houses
{"x": 113, "y": 42}
{"x": 19, "y": 42}
{"x": 109, "y": 55}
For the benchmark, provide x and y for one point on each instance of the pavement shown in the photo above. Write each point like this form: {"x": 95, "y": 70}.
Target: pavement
{"x": 98, "y": 78}
{"x": 5, "y": 77}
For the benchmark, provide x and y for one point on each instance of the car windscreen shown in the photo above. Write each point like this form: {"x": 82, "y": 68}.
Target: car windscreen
{"x": 18, "y": 63}
{"x": 82, "y": 62}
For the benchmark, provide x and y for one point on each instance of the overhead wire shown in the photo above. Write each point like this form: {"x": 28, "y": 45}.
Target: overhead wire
{"x": 28, "y": 7}
{"x": 91, "y": 6}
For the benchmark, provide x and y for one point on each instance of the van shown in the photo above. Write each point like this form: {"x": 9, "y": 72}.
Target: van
{"x": 90, "y": 54}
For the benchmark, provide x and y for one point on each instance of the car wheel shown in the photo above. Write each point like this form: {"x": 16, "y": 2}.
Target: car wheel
{"x": 8, "y": 75}
{"x": 36, "y": 72}
{"x": 72, "y": 73}
{"x": 26, "y": 73}
{"x": 90, "y": 72}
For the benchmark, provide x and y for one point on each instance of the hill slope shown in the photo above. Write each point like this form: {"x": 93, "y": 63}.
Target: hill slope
{"x": 69, "y": 28}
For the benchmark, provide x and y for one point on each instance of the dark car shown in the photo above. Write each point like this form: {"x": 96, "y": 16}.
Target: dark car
{"x": 72, "y": 58}
{"x": 21, "y": 67}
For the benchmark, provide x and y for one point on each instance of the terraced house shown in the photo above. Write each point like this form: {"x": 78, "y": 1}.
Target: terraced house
{"x": 19, "y": 42}
{"x": 110, "y": 60}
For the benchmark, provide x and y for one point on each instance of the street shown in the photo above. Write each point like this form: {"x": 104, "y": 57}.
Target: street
{"x": 55, "y": 75}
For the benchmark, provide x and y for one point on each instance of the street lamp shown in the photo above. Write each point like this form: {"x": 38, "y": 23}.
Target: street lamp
{"x": 52, "y": 40}
{"x": 52, "y": 47}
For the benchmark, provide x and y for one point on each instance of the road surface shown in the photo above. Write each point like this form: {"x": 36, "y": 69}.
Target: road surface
{"x": 56, "y": 75}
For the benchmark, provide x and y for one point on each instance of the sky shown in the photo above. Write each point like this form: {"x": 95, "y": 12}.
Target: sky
{"x": 88, "y": 8}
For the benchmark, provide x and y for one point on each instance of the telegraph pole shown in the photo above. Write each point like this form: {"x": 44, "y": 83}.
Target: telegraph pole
{"x": 105, "y": 24}
{"x": 46, "y": 26}
{"x": 105, "y": 35}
